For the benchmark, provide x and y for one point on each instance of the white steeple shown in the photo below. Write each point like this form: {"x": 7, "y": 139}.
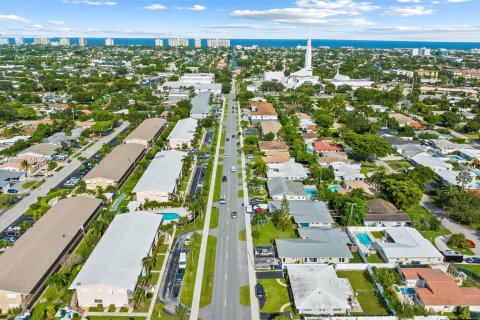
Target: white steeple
{"x": 308, "y": 55}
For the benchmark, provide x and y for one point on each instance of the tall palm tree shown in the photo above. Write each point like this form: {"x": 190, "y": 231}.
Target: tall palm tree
{"x": 148, "y": 263}
{"x": 25, "y": 165}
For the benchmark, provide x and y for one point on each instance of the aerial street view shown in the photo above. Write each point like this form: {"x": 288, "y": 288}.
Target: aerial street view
{"x": 237, "y": 160}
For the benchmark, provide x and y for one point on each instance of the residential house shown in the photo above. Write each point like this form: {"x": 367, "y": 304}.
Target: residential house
{"x": 147, "y": 132}
{"x": 40, "y": 251}
{"x": 438, "y": 292}
{"x": 182, "y": 134}
{"x": 262, "y": 111}
{"x": 276, "y": 157}
{"x": 278, "y": 187}
{"x": 327, "y": 159}
{"x": 436, "y": 164}
{"x": 272, "y": 146}
{"x": 270, "y": 126}
{"x": 347, "y": 172}
{"x": 159, "y": 181}
{"x": 350, "y": 185}
{"x": 385, "y": 214}
{"x": 317, "y": 290}
{"x": 326, "y": 146}
{"x": 290, "y": 170}
{"x": 306, "y": 213}
{"x": 201, "y": 106}
{"x": 110, "y": 275}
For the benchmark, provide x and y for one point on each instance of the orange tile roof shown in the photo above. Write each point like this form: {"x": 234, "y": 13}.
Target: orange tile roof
{"x": 272, "y": 146}
{"x": 276, "y": 157}
{"x": 263, "y": 108}
{"x": 441, "y": 289}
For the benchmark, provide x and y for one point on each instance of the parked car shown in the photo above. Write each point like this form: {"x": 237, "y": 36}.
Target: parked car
{"x": 471, "y": 244}
{"x": 179, "y": 275}
{"x": 10, "y": 239}
{"x": 472, "y": 260}
{"x": 259, "y": 291}
{"x": 12, "y": 191}
{"x": 256, "y": 199}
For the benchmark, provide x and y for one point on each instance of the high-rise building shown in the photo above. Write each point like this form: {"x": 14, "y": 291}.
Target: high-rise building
{"x": 82, "y": 42}
{"x": 198, "y": 43}
{"x": 420, "y": 52}
{"x": 64, "y": 41}
{"x": 158, "y": 43}
{"x": 109, "y": 42}
{"x": 42, "y": 41}
{"x": 178, "y": 42}
{"x": 19, "y": 41}
{"x": 4, "y": 41}
{"x": 218, "y": 43}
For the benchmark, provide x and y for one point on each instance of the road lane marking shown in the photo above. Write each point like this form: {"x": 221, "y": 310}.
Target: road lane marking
{"x": 226, "y": 256}
{"x": 226, "y": 276}
{"x": 227, "y": 237}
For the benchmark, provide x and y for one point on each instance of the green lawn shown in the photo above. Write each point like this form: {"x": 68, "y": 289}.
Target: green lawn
{"x": 208, "y": 272}
{"x": 214, "y": 218}
{"x": 115, "y": 318}
{"x": 59, "y": 168}
{"x": 377, "y": 234}
{"x": 277, "y": 295}
{"x": 370, "y": 302}
{"x": 245, "y": 295}
{"x": 417, "y": 213}
{"x": 398, "y": 165}
{"x": 218, "y": 183}
{"x": 29, "y": 184}
{"x": 375, "y": 258}
{"x": 190, "y": 275}
{"x": 222, "y": 139}
{"x": 158, "y": 313}
{"x": 475, "y": 268}
{"x": 159, "y": 262}
{"x": 268, "y": 233}
{"x": 240, "y": 193}
{"x": 154, "y": 278}
{"x": 467, "y": 251}
{"x": 367, "y": 167}
{"x": 356, "y": 258}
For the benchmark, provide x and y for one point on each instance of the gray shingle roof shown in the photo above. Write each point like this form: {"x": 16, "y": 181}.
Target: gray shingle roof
{"x": 279, "y": 186}
{"x": 305, "y": 211}
{"x": 309, "y": 248}
{"x": 200, "y": 103}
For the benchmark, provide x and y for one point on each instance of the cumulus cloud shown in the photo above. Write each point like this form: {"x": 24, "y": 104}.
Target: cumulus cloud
{"x": 457, "y": 1}
{"x": 337, "y": 4}
{"x": 155, "y": 6}
{"x": 430, "y": 29}
{"x": 410, "y": 1}
{"x": 196, "y": 7}
{"x": 91, "y": 2}
{"x": 242, "y": 26}
{"x": 12, "y": 18}
{"x": 408, "y": 11}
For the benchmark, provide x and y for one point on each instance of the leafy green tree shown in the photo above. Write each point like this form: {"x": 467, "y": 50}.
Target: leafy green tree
{"x": 269, "y": 136}
{"x": 181, "y": 312}
{"x": 402, "y": 193}
{"x": 450, "y": 119}
{"x": 464, "y": 312}
{"x": 458, "y": 240}
{"x": 353, "y": 211}
{"x": 386, "y": 277}
{"x": 464, "y": 178}
{"x": 366, "y": 146}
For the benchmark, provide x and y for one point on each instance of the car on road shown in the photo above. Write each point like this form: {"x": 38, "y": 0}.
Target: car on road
{"x": 225, "y": 155}
{"x": 187, "y": 240}
{"x": 259, "y": 291}
{"x": 224, "y": 179}
{"x": 233, "y": 169}
{"x": 234, "y": 215}
{"x": 471, "y": 244}
{"x": 472, "y": 260}
{"x": 179, "y": 274}
{"x": 12, "y": 191}
{"x": 228, "y": 139}
{"x": 223, "y": 199}
{"x": 233, "y": 136}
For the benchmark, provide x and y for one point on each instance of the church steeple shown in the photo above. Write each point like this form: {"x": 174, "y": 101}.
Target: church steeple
{"x": 308, "y": 55}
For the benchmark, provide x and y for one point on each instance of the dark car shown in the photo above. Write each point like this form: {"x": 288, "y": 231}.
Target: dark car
{"x": 179, "y": 275}
{"x": 259, "y": 291}
{"x": 224, "y": 179}
{"x": 233, "y": 136}
{"x": 228, "y": 139}
{"x": 12, "y": 191}
{"x": 472, "y": 260}
{"x": 234, "y": 215}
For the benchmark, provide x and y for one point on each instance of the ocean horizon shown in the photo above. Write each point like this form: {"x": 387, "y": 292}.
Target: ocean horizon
{"x": 287, "y": 43}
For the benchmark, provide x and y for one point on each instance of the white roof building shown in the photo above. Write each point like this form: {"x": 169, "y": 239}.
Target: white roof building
{"x": 290, "y": 170}
{"x": 182, "y": 133}
{"x": 436, "y": 164}
{"x": 111, "y": 272}
{"x": 200, "y": 106}
{"x": 347, "y": 172}
{"x": 316, "y": 289}
{"x": 159, "y": 181}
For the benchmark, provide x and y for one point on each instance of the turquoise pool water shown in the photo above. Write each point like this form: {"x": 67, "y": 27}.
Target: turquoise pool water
{"x": 170, "y": 216}
{"x": 312, "y": 192}
{"x": 309, "y": 149}
{"x": 334, "y": 188}
{"x": 478, "y": 184}
{"x": 407, "y": 291}
{"x": 455, "y": 157}
{"x": 436, "y": 156}
{"x": 364, "y": 239}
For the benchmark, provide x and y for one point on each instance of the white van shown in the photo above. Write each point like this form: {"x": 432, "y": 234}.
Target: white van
{"x": 187, "y": 240}
{"x": 249, "y": 208}
{"x": 182, "y": 262}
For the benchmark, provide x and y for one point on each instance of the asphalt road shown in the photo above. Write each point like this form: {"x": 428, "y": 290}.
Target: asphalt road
{"x": 231, "y": 269}
{"x": 10, "y": 216}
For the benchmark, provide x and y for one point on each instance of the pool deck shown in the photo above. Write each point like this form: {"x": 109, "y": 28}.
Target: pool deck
{"x": 182, "y": 212}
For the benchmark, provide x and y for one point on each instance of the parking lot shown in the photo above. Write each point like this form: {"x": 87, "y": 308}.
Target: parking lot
{"x": 207, "y": 141}
{"x": 198, "y": 179}
{"x": 265, "y": 258}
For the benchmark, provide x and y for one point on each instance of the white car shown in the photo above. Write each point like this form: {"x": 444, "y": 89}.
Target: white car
{"x": 233, "y": 169}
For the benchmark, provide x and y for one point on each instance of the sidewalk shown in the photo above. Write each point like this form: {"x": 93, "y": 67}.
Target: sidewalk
{"x": 252, "y": 278}
{"x": 206, "y": 227}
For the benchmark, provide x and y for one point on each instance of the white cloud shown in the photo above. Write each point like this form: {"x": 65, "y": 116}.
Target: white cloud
{"x": 56, "y": 22}
{"x": 12, "y": 18}
{"x": 337, "y": 4}
{"x": 245, "y": 26}
{"x": 196, "y": 7}
{"x": 408, "y": 11}
{"x": 155, "y": 6}
{"x": 457, "y": 1}
{"x": 410, "y": 1}
{"x": 91, "y": 2}
{"x": 430, "y": 29}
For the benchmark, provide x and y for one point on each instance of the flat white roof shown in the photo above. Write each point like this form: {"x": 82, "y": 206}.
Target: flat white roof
{"x": 117, "y": 259}
{"x": 184, "y": 129}
{"x": 162, "y": 173}
{"x": 408, "y": 243}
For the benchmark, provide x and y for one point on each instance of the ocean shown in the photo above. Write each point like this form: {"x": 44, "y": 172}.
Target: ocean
{"x": 291, "y": 43}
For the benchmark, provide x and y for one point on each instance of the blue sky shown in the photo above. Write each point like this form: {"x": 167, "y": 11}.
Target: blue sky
{"x": 434, "y": 20}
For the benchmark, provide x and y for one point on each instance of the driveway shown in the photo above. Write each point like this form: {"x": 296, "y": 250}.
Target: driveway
{"x": 169, "y": 288}
{"x": 8, "y": 217}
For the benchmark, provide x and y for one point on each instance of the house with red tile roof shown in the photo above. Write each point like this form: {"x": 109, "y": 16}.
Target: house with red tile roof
{"x": 326, "y": 146}
{"x": 438, "y": 292}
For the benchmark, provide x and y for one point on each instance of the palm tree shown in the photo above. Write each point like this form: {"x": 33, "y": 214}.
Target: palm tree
{"x": 57, "y": 280}
{"x": 261, "y": 168}
{"x": 181, "y": 312}
{"x": 98, "y": 227}
{"x": 138, "y": 297}
{"x": 25, "y": 165}
{"x": 189, "y": 248}
{"x": 148, "y": 263}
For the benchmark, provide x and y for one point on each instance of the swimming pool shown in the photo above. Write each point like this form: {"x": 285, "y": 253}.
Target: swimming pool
{"x": 408, "y": 291}
{"x": 364, "y": 239}
{"x": 312, "y": 192}
{"x": 478, "y": 184}
{"x": 170, "y": 216}
{"x": 309, "y": 149}
{"x": 455, "y": 157}
{"x": 334, "y": 188}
